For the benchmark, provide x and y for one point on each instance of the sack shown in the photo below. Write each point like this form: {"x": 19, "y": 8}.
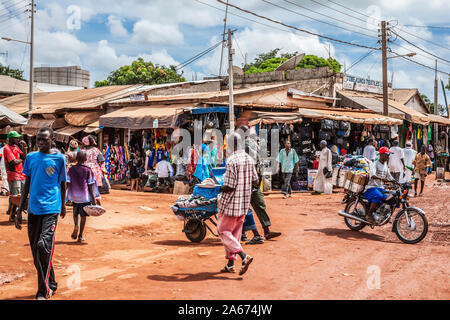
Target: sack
{"x": 327, "y": 124}
{"x": 94, "y": 211}
{"x": 345, "y": 125}
{"x": 334, "y": 158}
{"x": 324, "y": 135}
{"x": 336, "y": 124}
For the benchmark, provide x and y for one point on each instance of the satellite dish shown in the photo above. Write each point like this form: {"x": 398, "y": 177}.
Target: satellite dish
{"x": 291, "y": 63}
{"x": 238, "y": 71}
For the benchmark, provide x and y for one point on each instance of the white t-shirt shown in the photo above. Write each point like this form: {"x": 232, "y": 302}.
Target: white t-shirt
{"x": 369, "y": 152}
{"x": 164, "y": 169}
{"x": 395, "y": 163}
{"x": 410, "y": 155}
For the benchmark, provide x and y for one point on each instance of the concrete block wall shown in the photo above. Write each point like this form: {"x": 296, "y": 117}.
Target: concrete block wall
{"x": 187, "y": 88}
{"x": 68, "y": 76}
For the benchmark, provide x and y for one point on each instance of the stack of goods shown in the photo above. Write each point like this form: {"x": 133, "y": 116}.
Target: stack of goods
{"x": 355, "y": 181}
{"x": 300, "y": 182}
{"x": 342, "y": 134}
{"x": 355, "y": 164}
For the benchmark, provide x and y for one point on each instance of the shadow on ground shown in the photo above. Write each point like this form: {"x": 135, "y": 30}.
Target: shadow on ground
{"x": 191, "y": 277}
{"x": 351, "y": 235}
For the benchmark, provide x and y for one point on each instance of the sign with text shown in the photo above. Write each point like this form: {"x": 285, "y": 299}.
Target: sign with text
{"x": 364, "y": 85}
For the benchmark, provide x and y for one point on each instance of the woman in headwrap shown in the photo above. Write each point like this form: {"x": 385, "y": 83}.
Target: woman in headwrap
{"x": 95, "y": 159}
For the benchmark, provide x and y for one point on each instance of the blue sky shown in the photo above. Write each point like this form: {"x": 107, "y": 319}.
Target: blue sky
{"x": 113, "y": 33}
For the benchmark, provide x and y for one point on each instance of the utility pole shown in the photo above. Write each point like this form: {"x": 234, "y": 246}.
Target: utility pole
{"x": 385, "y": 71}
{"x": 223, "y": 38}
{"x": 230, "y": 79}
{"x": 435, "y": 126}
{"x": 30, "y": 108}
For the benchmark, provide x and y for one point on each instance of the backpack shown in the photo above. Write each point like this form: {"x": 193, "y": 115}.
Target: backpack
{"x": 324, "y": 135}
{"x": 327, "y": 124}
{"x": 345, "y": 125}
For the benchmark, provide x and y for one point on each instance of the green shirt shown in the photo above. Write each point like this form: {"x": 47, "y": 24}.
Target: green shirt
{"x": 287, "y": 161}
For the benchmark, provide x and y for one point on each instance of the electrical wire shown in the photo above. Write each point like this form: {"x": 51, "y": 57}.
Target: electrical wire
{"x": 344, "y": 13}
{"x": 423, "y": 65}
{"x": 426, "y": 51}
{"x": 298, "y": 29}
{"x": 21, "y": 9}
{"x": 198, "y": 56}
{"x": 308, "y": 17}
{"x": 329, "y": 17}
{"x": 12, "y": 3}
{"x": 237, "y": 43}
{"x": 254, "y": 21}
{"x": 23, "y": 56}
{"x": 360, "y": 59}
{"x": 7, "y": 9}
{"x": 431, "y": 27}
{"x": 423, "y": 39}
{"x": 6, "y": 25}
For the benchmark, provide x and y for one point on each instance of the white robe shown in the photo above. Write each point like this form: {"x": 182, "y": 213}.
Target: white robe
{"x": 410, "y": 155}
{"x": 5, "y": 185}
{"x": 321, "y": 184}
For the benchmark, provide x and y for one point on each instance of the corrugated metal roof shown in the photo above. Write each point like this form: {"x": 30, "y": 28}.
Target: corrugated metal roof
{"x": 9, "y": 117}
{"x": 50, "y": 102}
{"x": 14, "y": 86}
{"x": 374, "y": 105}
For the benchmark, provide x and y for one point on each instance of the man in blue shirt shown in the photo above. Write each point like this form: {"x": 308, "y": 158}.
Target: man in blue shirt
{"x": 45, "y": 183}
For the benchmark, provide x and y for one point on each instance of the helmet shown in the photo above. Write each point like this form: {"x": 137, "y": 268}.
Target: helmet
{"x": 384, "y": 150}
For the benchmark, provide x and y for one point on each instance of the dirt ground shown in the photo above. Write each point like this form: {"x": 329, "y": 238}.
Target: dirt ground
{"x": 137, "y": 251}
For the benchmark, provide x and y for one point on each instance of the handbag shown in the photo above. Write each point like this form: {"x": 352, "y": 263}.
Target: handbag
{"x": 324, "y": 135}
{"x": 345, "y": 125}
{"x": 384, "y": 128}
{"x": 336, "y": 124}
{"x": 327, "y": 124}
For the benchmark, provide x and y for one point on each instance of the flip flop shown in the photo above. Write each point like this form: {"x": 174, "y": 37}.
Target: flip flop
{"x": 228, "y": 269}
{"x": 245, "y": 264}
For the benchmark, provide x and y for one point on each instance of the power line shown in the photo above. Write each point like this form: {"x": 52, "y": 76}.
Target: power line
{"x": 423, "y": 39}
{"x": 324, "y": 5}
{"x": 255, "y": 21}
{"x": 6, "y": 9}
{"x": 198, "y": 56}
{"x": 431, "y": 27}
{"x": 308, "y": 17}
{"x": 329, "y": 17}
{"x": 423, "y": 65}
{"x": 426, "y": 51}
{"x": 365, "y": 15}
{"x": 360, "y": 59}
{"x": 14, "y": 11}
{"x": 298, "y": 29}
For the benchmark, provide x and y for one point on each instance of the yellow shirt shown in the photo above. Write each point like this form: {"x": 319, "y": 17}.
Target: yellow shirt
{"x": 421, "y": 163}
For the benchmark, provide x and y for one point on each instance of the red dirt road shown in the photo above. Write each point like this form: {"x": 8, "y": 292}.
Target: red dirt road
{"x": 135, "y": 253}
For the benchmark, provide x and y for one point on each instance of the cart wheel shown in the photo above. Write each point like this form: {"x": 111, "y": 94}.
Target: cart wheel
{"x": 196, "y": 230}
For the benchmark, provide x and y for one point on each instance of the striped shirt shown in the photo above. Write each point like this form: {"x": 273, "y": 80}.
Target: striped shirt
{"x": 240, "y": 174}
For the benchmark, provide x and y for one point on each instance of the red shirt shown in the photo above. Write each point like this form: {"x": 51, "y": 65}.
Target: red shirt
{"x": 14, "y": 172}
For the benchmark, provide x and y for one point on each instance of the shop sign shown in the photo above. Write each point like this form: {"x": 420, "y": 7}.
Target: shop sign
{"x": 155, "y": 124}
{"x": 361, "y": 84}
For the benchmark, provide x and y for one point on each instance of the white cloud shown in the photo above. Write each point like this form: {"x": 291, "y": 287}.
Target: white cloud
{"x": 146, "y": 32}
{"x": 116, "y": 27}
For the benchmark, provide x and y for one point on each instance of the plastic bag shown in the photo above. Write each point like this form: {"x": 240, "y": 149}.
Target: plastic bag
{"x": 328, "y": 186}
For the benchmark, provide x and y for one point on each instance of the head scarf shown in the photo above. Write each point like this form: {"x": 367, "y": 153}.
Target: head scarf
{"x": 86, "y": 141}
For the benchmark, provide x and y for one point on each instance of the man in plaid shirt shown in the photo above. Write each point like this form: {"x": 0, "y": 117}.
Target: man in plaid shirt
{"x": 239, "y": 177}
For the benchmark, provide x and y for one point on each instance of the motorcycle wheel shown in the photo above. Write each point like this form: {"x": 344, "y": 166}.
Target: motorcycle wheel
{"x": 415, "y": 231}
{"x": 361, "y": 209}
{"x": 198, "y": 231}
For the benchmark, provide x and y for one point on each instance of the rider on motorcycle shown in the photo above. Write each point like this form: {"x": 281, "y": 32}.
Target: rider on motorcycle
{"x": 375, "y": 192}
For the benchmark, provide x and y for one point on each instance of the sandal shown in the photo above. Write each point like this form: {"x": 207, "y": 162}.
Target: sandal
{"x": 245, "y": 264}
{"x": 256, "y": 240}
{"x": 81, "y": 239}
{"x": 74, "y": 233}
{"x": 228, "y": 269}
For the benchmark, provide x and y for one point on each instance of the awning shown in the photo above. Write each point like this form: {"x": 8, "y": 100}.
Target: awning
{"x": 210, "y": 110}
{"x": 64, "y": 134}
{"x": 438, "y": 119}
{"x": 82, "y": 118}
{"x": 410, "y": 114}
{"x": 370, "y": 103}
{"x": 357, "y": 117}
{"x": 261, "y": 117}
{"x": 35, "y": 124}
{"x": 145, "y": 117}
{"x": 93, "y": 127}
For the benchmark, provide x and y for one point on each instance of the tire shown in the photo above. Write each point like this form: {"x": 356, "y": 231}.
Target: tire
{"x": 399, "y": 219}
{"x": 198, "y": 229}
{"x": 354, "y": 224}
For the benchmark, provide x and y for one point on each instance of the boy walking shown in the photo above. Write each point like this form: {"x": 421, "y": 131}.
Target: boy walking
{"x": 45, "y": 172}
{"x": 80, "y": 190}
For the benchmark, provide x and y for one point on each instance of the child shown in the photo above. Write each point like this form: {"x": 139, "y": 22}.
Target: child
{"x": 135, "y": 164}
{"x": 82, "y": 191}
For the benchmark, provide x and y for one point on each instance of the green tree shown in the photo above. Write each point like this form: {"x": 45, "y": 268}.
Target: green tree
{"x": 14, "y": 73}
{"x": 141, "y": 72}
{"x": 441, "y": 109}
{"x": 266, "y": 62}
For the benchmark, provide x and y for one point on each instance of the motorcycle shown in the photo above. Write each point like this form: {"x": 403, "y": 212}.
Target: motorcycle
{"x": 410, "y": 223}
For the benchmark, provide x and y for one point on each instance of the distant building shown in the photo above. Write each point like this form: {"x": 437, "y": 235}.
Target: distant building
{"x": 72, "y": 76}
